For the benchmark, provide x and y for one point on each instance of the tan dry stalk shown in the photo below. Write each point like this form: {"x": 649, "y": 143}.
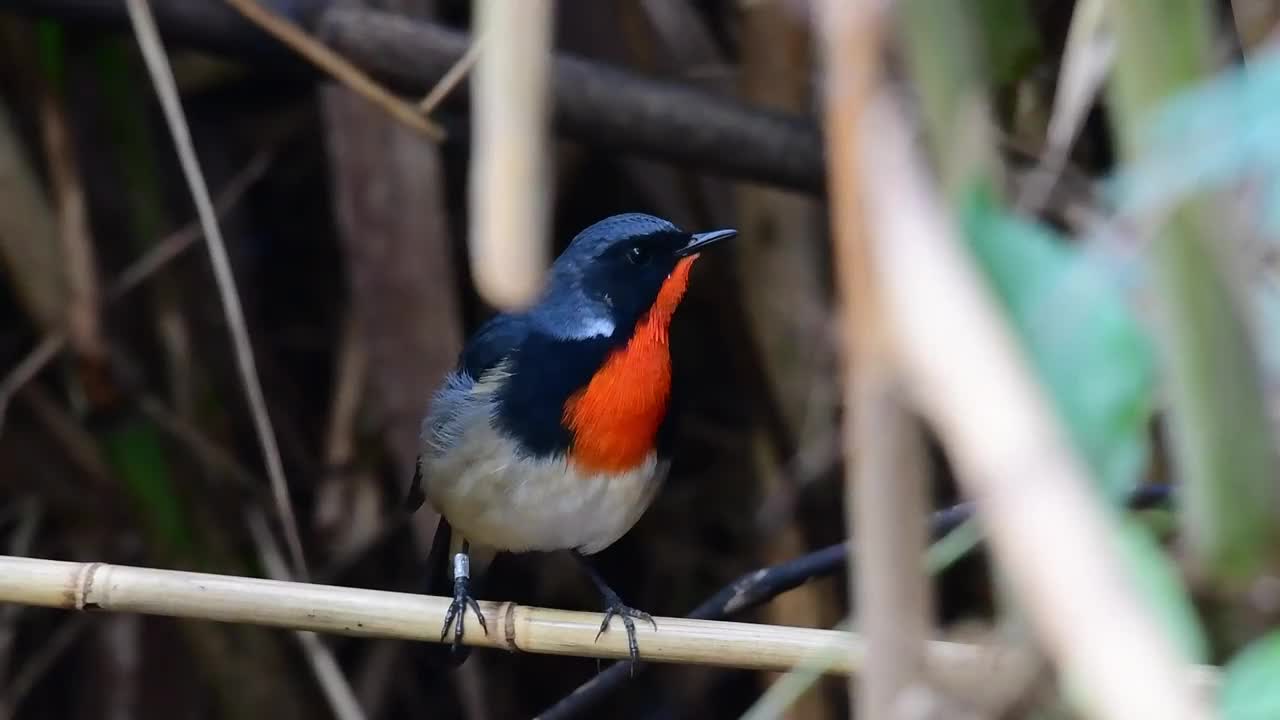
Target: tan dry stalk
{"x": 337, "y": 66}
{"x": 510, "y": 185}
{"x": 885, "y": 480}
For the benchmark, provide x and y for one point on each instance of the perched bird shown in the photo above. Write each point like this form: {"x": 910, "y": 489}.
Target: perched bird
{"x": 554, "y": 430}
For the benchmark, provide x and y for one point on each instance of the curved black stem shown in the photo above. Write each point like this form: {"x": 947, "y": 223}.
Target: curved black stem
{"x": 760, "y": 586}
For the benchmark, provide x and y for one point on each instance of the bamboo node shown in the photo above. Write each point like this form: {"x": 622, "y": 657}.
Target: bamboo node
{"x": 83, "y": 586}
{"x": 507, "y": 611}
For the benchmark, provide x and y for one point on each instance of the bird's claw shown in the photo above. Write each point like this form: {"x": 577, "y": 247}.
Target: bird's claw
{"x": 626, "y": 613}
{"x": 458, "y": 610}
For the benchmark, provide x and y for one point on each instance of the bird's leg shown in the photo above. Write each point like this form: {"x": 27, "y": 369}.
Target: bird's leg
{"x": 614, "y": 606}
{"x": 461, "y": 598}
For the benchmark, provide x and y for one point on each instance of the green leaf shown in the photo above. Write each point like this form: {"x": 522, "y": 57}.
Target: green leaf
{"x": 1160, "y": 583}
{"x": 1251, "y": 682}
{"x": 1087, "y": 347}
{"x": 51, "y": 45}
{"x": 1012, "y": 43}
{"x": 138, "y": 456}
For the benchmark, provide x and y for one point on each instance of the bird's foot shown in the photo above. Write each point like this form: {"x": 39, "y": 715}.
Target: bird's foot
{"x": 462, "y": 599}
{"x": 614, "y": 606}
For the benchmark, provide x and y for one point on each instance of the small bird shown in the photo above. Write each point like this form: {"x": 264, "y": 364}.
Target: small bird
{"x": 554, "y": 431}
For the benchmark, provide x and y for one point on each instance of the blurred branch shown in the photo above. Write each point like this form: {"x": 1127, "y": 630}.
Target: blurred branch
{"x": 781, "y": 258}
{"x": 1086, "y": 59}
{"x": 166, "y": 88}
{"x": 758, "y": 587}
{"x": 28, "y": 234}
{"x": 337, "y": 66}
{"x": 592, "y": 102}
{"x": 29, "y": 510}
{"x": 885, "y": 480}
{"x": 510, "y": 179}
{"x": 82, "y": 308}
{"x": 38, "y": 664}
{"x": 450, "y": 80}
{"x": 1039, "y": 510}
{"x": 164, "y": 251}
{"x": 1256, "y": 22}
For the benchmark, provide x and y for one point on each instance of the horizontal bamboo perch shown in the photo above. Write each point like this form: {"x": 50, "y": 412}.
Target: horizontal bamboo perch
{"x": 377, "y": 613}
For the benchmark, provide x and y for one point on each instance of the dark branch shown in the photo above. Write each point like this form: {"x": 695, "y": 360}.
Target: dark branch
{"x": 594, "y": 103}
{"x": 760, "y": 586}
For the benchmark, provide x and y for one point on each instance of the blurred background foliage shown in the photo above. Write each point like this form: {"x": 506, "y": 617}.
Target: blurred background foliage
{"x": 1131, "y": 241}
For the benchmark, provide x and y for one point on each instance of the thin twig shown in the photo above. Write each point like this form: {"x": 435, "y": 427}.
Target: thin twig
{"x": 25, "y": 371}
{"x": 337, "y": 66}
{"x": 24, "y": 534}
{"x": 348, "y": 389}
{"x": 164, "y": 251}
{"x": 39, "y": 663}
{"x": 749, "y": 591}
{"x": 595, "y": 103}
{"x": 79, "y": 445}
{"x": 450, "y": 80}
{"x": 341, "y": 698}
{"x": 1086, "y": 60}
{"x": 204, "y": 448}
{"x": 162, "y": 76}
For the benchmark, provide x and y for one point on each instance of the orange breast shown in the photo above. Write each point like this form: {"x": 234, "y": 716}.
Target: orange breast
{"x": 615, "y": 418}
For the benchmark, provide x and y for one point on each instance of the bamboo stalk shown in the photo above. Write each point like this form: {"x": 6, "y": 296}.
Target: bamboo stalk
{"x": 885, "y": 482}
{"x": 377, "y": 613}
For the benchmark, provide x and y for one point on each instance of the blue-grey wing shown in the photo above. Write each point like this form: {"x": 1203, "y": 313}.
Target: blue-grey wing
{"x": 456, "y": 406}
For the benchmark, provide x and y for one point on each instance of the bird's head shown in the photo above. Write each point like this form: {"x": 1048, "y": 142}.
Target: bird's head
{"x": 617, "y": 271}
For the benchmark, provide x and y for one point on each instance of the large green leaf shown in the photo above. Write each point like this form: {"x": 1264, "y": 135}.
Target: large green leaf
{"x": 1251, "y": 683}
{"x": 1078, "y": 330}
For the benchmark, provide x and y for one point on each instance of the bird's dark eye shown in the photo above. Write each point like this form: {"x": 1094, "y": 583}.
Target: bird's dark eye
{"x": 637, "y": 255}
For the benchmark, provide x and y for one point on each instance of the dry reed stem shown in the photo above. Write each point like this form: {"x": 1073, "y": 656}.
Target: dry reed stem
{"x": 337, "y": 66}
{"x": 1047, "y": 529}
{"x": 164, "y": 251}
{"x": 83, "y": 295}
{"x": 1086, "y": 62}
{"x": 885, "y": 483}
{"x": 376, "y": 613}
{"x": 153, "y": 53}
{"x": 510, "y": 183}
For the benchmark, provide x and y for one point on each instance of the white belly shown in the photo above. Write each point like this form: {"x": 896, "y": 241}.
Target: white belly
{"x": 496, "y": 499}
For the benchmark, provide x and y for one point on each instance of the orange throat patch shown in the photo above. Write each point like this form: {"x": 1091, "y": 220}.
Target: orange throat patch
{"x": 614, "y": 420}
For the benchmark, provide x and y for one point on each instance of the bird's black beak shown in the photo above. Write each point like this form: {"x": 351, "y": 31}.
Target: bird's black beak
{"x": 700, "y": 241}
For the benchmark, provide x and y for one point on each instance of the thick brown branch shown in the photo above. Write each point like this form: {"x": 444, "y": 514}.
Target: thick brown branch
{"x": 592, "y": 102}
